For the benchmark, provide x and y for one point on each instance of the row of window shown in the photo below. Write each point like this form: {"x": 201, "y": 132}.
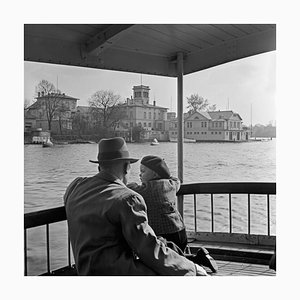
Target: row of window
{"x": 145, "y": 115}
{"x": 159, "y": 125}
{"x": 213, "y": 124}
{"x": 189, "y": 133}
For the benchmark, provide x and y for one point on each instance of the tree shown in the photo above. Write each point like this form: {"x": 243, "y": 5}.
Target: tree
{"x": 212, "y": 107}
{"x": 51, "y": 101}
{"x": 106, "y": 109}
{"x": 196, "y": 103}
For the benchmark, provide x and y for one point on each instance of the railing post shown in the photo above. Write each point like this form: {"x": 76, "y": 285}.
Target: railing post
{"x": 230, "y": 214}
{"x": 249, "y": 221}
{"x": 195, "y": 212}
{"x": 212, "y": 211}
{"x": 25, "y": 253}
{"x": 48, "y": 248}
{"x": 69, "y": 250}
{"x": 268, "y": 212}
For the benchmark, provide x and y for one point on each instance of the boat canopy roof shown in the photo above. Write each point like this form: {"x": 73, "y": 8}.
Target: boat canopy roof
{"x": 146, "y": 48}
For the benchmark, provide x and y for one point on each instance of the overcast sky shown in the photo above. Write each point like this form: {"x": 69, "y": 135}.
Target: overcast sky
{"x": 236, "y": 85}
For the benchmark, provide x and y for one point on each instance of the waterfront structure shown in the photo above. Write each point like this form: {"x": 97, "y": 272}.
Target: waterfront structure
{"x": 142, "y": 119}
{"x": 51, "y": 111}
{"x": 211, "y": 126}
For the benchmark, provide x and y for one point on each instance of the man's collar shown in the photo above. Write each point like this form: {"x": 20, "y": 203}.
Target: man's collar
{"x": 110, "y": 177}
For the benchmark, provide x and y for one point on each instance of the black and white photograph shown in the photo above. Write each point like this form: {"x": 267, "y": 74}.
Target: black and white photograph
{"x": 152, "y": 147}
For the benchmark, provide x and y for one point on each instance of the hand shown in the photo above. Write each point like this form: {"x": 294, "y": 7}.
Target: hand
{"x": 200, "y": 271}
{"x": 132, "y": 185}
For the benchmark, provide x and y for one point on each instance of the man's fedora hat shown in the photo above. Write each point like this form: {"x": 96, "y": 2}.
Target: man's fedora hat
{"x": 113, "y": 149}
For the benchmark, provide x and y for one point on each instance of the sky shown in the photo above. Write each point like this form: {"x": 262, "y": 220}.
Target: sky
{"x": 244, "y": 85}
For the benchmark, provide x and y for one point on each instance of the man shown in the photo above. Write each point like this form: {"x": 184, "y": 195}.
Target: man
{"x": 108, "y": 224}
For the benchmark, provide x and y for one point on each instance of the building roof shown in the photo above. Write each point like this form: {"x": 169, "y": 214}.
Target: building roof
{"x": 223, "y": 114}
{"x": 57, "y": 95}
{"x": 205, "y": 114}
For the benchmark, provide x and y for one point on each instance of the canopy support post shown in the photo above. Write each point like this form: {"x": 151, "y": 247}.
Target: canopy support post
{"x": 180, "y": 126}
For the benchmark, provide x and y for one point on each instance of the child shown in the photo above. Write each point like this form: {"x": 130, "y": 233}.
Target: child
{"x": 159, "y": 190}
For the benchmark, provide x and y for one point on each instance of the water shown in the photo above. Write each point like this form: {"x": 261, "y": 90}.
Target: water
{"x": 48, "y": 171}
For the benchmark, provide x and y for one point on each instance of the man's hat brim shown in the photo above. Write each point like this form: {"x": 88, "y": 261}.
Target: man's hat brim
{"x": 131, "y": 160}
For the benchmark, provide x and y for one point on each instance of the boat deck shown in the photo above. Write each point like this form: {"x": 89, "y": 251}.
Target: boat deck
{"x": 229, "y": 268}
{"x": 226, "y": 268}
{"x": 232, "y": 260}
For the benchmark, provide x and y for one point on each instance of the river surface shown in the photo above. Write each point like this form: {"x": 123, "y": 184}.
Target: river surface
{"x": 48, "y": 171}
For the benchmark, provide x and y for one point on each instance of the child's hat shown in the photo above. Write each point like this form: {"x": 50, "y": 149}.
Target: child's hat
{"x": 157, "y": 165}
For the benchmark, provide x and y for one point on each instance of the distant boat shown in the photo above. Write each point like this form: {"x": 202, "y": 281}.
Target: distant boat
{"x": 48, "y": 143}
{"x": 154, "y": 142}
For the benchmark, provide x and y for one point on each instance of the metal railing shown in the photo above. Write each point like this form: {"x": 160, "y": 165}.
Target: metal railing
{"x": 44, "y": 218}
{"x": 50, "y": 216}
{"x": 212, "y": 189}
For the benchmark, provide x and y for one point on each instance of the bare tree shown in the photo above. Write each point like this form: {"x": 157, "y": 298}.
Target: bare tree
{"x": 51, "y": 101}
{"x": 106, "y": 109}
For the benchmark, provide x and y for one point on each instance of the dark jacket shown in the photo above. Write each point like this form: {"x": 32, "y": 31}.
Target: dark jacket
{"x": 110, "y": 234}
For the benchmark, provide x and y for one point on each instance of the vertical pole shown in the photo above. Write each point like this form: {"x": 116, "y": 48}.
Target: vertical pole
{"x": 180, "y": 125}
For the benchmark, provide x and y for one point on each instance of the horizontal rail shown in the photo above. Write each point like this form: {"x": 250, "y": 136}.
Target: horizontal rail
{"x": 228, "y": 188}
{"x": 43, "y": 217}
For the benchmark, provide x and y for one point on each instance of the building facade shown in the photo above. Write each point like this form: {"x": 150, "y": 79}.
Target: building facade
{"x": 56, "y": 106}
{"x": 211, "y": 126}
{"x": 141, "y": 116}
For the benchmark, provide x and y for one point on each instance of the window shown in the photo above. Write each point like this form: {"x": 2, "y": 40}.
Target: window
{"x": 149, "y": 124}
{"x": 137, "y": 94}
{"x": 219, "y": 132}
{"x": 175, "y": 125}
{"x": 154, "y": 115}
{"x": 202, "y": 124}
{"x": 149, "y": 115}
{"x": 145, "y": 94}
{"x": 145, "y": 115}
{"x": 159, "y": 126}
{"x": 131, "y": 115}
{"x": 205, "y": 124}
{"x": 234, "y": 124}
{"x": 145, "y": 124}
{"x": 131, "y": 124}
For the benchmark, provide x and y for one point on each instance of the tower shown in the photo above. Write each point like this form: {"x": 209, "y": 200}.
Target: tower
{"x": 141, "y": 94}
